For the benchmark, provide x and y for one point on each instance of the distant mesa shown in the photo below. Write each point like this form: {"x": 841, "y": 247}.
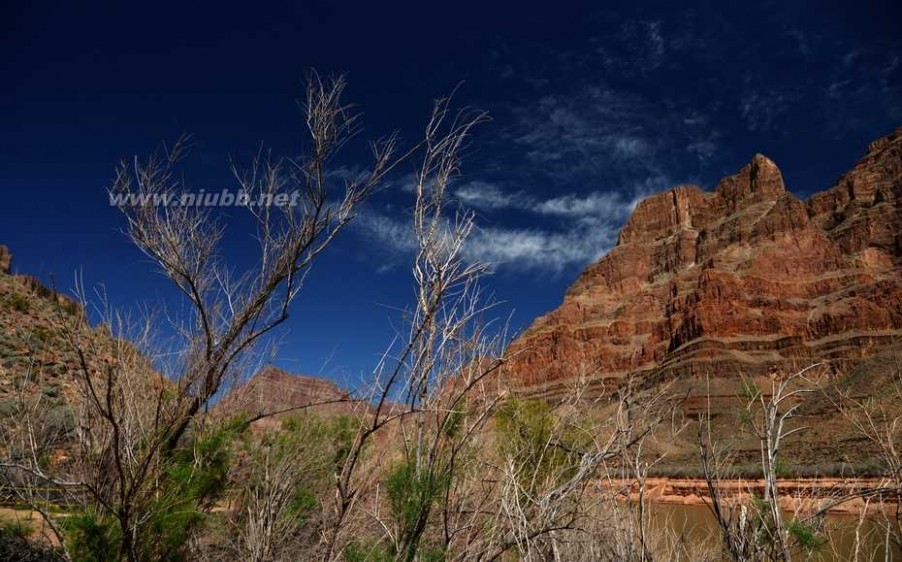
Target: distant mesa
{"x": 275, "y": 392}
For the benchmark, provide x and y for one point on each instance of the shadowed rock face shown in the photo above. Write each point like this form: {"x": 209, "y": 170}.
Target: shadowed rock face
{"x": 744, "y": 278}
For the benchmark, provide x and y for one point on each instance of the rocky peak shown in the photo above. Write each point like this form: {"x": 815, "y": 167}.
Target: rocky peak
{"x": 6, "y": 259}
{"x": 759, "y": 180}
{"x": 689, "y": 208}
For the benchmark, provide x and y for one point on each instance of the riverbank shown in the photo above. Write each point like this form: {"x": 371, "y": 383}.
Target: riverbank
{"x": 837, "y": 496}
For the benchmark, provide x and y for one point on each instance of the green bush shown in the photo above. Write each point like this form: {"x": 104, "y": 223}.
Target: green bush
{"x": 195, "y": 477}
{"x": 303, "y": 503}
{"x": 545, "y": 451}
{"x": 91, "y": 537}
{"x": 454, "y": 422}
{"x": 749, "y": 390}
{"x": 10, "y": 407}
{"x": 411, "y": 494}
{"x": 15, "y": 527}
{"x": 367, "y": 552}
{"x": 17, "y": 302}
{"x": 805, "y": 535}
{"x": 70, "y": 307}
{"x": 41, "y": 336}
{"x": 362, "y": 551}
{"x": 343, "y": 431}
{"x": 52, "y": 391}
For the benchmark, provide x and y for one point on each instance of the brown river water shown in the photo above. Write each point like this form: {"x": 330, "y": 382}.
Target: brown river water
{"x": 695, "y": 525}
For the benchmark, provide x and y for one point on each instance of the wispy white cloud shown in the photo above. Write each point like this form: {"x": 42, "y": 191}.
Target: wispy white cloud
{"x": 392, "y": 234}
{"x": 599, "y": 133}
{"x": 486, "y": 196}
{"x": 505, "y": 249}
{"x": 595, "y": 206}
{"x": 540, "y": 250}
{"x": 572, "y": 230}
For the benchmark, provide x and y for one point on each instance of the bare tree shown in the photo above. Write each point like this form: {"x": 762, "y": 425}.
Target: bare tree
{"x": 136, "y": 422}
{"x": 877, "y": 419}
{"x": 759, "y": 530}
{"x": 431, "y": 392}
{"x": 558, "y": 500}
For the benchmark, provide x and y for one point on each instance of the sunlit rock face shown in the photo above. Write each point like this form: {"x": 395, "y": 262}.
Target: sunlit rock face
{"x": 744, "y": 278}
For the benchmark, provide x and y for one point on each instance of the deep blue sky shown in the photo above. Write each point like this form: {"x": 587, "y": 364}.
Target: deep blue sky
{"x": 592, "y": 108}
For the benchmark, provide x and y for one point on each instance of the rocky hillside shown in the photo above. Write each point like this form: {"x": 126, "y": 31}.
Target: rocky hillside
{"x": 35, "y": 357}
{"x": 39, "y": 370}
{"x": 745, "y": 278}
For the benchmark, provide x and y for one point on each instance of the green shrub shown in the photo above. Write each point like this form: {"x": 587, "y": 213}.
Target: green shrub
{"x": 343, "y": 431}
{"x": 17, "y": 302}
{"x": 454, "y": 422}
{"x": 41, "y": 336}
{"x": 303, "y": 503}
{"x": 362, "y": 551}
{"x": 52, "y": 391}
{"x": 745, "y": 418}
{"x": 367, "y": 552}
{"x": 749, "y": 390}
{"x": 60, "y": 421}
{"x": 194, "y": 478}
{"x": 10, "y": 407}
{"x": 783, "y": 469}
{"x": 70, "y": 307}
{"x": 544, "y": 450}
{"x": 91, "y": 537}
{"x": 411, "y": 494}
{"x": 805, "y": 535}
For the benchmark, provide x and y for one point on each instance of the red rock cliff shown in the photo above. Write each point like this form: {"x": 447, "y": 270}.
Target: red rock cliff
{"x": 746, "y": 277}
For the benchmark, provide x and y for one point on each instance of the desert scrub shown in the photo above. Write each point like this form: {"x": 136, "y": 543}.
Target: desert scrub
{"x": 15, "y": 527}
{"x": 60, "y": 422}
{"x": 16, "y": 302}
{"x": 412, "y": 493}
{"x": 10, "y": 407}
{"x": 194, "y": 478}
{"x": 51, "y": 391}
{"x": 41, "y": 336}
{"x": 749, "y": 391}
